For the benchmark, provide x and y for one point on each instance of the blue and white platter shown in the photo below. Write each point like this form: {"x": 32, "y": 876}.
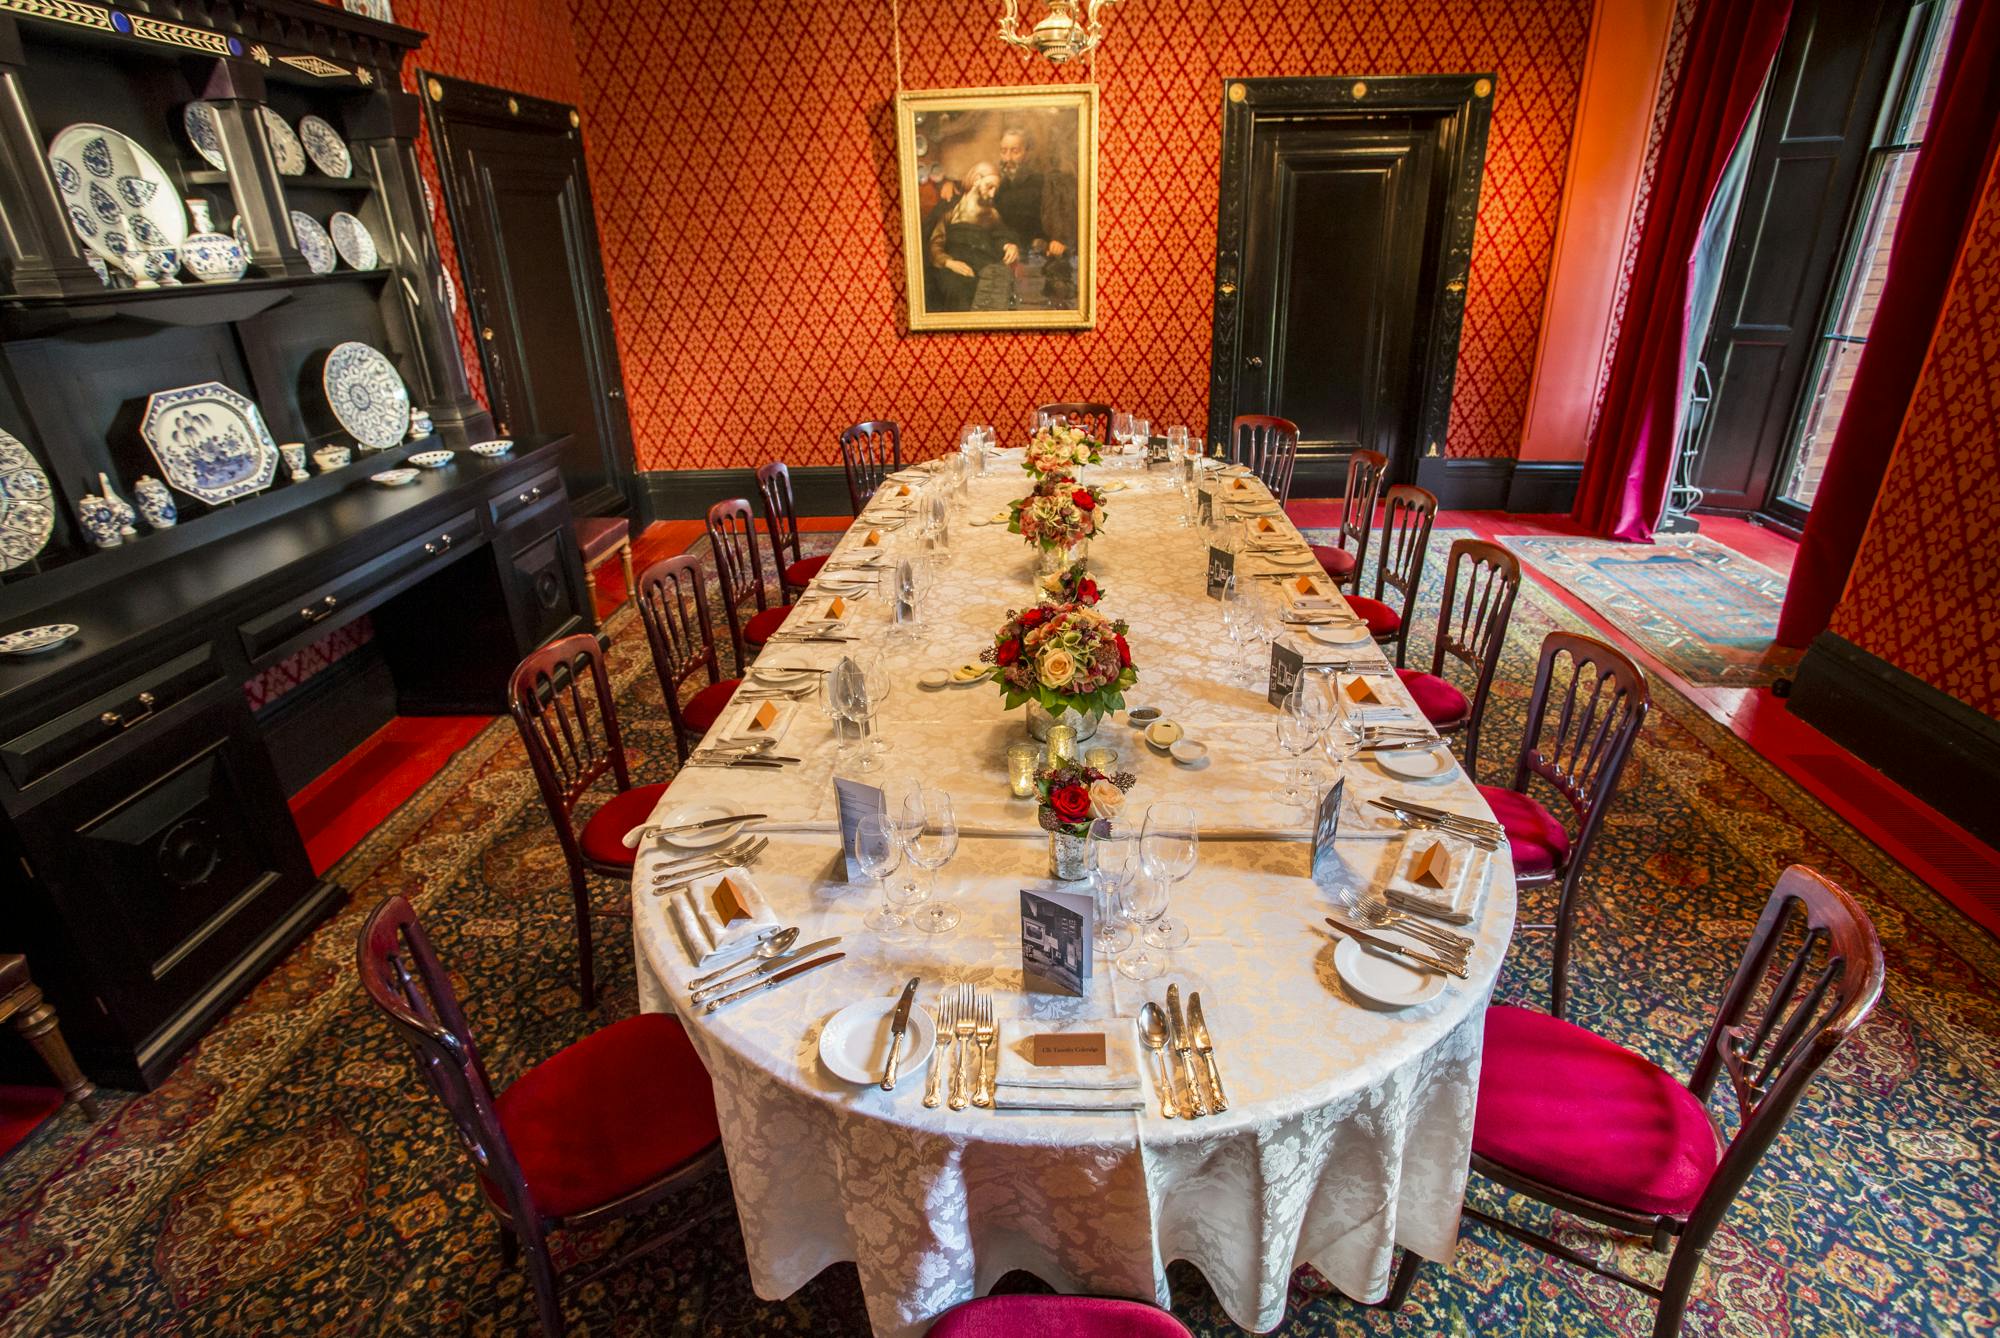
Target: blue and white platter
{"x": 286, "y": 150}
{"x": 353, "y": 240}
{"x": 314, "y": 244}
{"x": 210, "y": 441}
{"x": 116, "y": 196}
{"x": 325, "y": 147}
{"x": 26, "y": 515}
{"x": 366, "y": 395}
{"x": 198, "y": 120}
{"x": 34, "y": 640}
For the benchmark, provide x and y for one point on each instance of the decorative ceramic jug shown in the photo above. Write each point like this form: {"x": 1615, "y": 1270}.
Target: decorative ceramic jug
{"x": 128, "y": 518}
{"x": 156, "y": 504}
{"x": 99, "y": 520}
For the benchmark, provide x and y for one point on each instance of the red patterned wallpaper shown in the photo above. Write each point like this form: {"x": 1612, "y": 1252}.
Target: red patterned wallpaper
{"x": 1925, "y": 592}
{"x": 743, "y": 163}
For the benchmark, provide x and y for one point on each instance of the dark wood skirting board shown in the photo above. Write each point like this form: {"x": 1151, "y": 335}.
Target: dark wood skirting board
{"x": 1498, "y": 483}
{"x": 1933, "y": 745}
{"x": 687, "y": 494}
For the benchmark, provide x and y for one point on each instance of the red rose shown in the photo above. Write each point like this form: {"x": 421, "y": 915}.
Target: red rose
{"x": 1032, "y": 617}
{"x": 1084, "y": 501}
{"x": 1086, "y": 591}
{"x": 1071, "y": 803}
{"x": 1124, "y": 651}
{"x": 1007, "y": 652}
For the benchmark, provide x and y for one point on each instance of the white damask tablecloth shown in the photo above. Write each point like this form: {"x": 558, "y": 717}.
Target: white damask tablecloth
{"x": 1350, "y": 1128}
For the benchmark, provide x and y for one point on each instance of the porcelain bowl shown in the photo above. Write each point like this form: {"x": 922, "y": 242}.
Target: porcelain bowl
{"x": 491, "y": 448}
{"x": 214, "y": 257}
{"x": 394, "y": 478}
{"x": 330, "y": 458}
{"x": 431, "y": 459}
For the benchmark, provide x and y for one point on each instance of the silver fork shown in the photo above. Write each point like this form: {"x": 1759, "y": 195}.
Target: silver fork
{"x": 730, "y": 851}
{"x": 1376, "y": 913}
{"x": 987, "y": 1033}
{"x": 934, "y": 1081}
{"x": 964, "y": 1024}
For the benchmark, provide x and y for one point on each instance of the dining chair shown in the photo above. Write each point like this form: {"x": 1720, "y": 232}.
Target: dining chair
{"x": 1342, "y": 564}
{"x": 1599, "y": 699}
{"x": 560, "y": 698}
{"x": 1092, "y": 417}
{"x": 34, "y": 1020}
{"x": 781, "y": 523}
{"x": 1035, "y": 1315}
{"x": 1269, "y": 448}
{"x": 1480, "y": 582}
{"x": 870, "y": 452}
{"x": 605, "y": 1128}
{"x": 733, "y": 535}
{"x": 682, "y": 639}
{"x": 1580, "y": 1123}
{"x": 1407, "y": 514}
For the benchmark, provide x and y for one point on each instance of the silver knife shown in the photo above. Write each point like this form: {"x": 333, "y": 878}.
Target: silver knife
{"x": 898, "y": 1024}
{"x": 1446, "y": 815}
{"x": 1407, "y": 953}
{"x": 773, "y": 982}
{"x": 742, "y": 973}
{"x": 1198, "y": 1026}
{"x": 1177, "y": 1037}
{"x": 1479, "y": 836}
{"x": 736, "y": 953}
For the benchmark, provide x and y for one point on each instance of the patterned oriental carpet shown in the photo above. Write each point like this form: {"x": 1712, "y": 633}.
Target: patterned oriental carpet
{"x": 1703, "y": 610}
{"x": 292, "y": 1177}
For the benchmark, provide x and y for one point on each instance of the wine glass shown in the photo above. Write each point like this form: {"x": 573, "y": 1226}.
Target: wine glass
{"x": 846, "y": 701}
{"x": 1177, "y": 441}
{"x": 1298, "y": 734}
{"x": 933, "y": 840}
{"x": 1341, "y": 739}
{"x": 1169, "y": 844}
{"x": 1113, "y": 861}
{"x": 1145, "y": 903}
{"x": 877, "y": 681}
{"x": 878, "y": 851}
{"x": 1121, "y": 428}
{"x": 1142, "y": 431}
{"x": 903, "y": 811}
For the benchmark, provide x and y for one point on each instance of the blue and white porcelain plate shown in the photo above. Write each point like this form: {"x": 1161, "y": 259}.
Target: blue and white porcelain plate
{"x": 314, "y": 244}
{"x": 325, "y": 147}
{"x": 115, "y": 193}
{"x": 353, "y": 240}
{"x": 198, "y": 120}
{"x": 366, "y": 395}
{"x": 285, "y": 147}
{"x": 31, "y": 640}
{"x": 26, "y": 514}
{"x": 210, "y": 441}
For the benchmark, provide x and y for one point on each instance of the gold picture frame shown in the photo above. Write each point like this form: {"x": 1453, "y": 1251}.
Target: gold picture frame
{"x": 999, "y": 195}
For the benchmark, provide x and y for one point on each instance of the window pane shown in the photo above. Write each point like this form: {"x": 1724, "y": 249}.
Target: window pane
{"x": 1838, "y": 359}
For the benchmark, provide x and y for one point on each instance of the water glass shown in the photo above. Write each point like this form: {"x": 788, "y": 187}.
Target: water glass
{"x": 1145, "y": 904}
{"x": 878, "y": 852}
{"x": 1169, "y": 845}
{"x": 930, "y": 845}
{"x": 1298, "y": 735}
{"x": 1113, "y": 861}
{"x": 1142, "y": 432}
{"x": 1121, "y": 428}
{"x": 1341, "y": 739}
{"x": 1177, "y": 436}
{"x": 877, "y": 681}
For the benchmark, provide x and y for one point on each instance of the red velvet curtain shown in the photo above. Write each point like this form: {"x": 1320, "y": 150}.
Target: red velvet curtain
{"x": 1959, "y": 142}
{"x": 1730, "y": 48}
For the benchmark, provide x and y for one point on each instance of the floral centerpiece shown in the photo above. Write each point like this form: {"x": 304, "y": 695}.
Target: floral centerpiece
{"x": 1058, "y": 515}
{"x": 1072, "y": 585}
{"x": 1059, "y": 448}
{"x": 1073, "y": 796}
{"x": 1062, "y": 660}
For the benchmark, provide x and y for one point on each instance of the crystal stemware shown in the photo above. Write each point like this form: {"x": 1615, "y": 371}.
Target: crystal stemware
{"x": 878, "y": 852}
{"x": 930, "y": 846}
{"x": 1298, "y": 735}
{"x": 1113, "y": 861}
{"x": 1145, "y": 903}
{"x": 1169, "y": 845}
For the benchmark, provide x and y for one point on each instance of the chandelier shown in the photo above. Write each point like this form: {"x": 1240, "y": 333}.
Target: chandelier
{"x": 1068, "y": 30}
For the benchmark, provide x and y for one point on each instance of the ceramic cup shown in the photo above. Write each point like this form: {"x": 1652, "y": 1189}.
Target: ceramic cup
{"x": 294, "y": 453}
{"x": 330, "y": 458}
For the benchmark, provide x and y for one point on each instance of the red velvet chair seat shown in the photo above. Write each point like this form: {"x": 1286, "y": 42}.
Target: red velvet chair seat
{"x": 800, "y": 574}
{"x": 706, "y": 707}
{"x": 1336, "y": 562}
{"x": 1586, "y": 1116}
{"x": 763, "y": 626}
{"x": 1036, "y": 1316}
{"x": 598, "y": 535}
{"x": 603, "y": 837}
{"x": 608, "y": 1115}
{"x": 1381, "y": 619}
{"x": 1441, "y": 703}
{"x": 1538, "y": 842}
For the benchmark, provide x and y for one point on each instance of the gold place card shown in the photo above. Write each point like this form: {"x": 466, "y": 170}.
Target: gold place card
{"x": 874, "y": 538}
{"x": 1064, "y": 1049}
{"x": 837, "y": 608}
{"x": 766, "y": 713}
{"x": 1305, "y": 585}
{"x": 728, "y": 903}
{"x": 1432, "y": 867}
{"x": 1358, "y": 691}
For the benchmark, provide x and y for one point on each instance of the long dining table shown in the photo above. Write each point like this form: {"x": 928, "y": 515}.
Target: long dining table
{"x": 1349, "y": 1126}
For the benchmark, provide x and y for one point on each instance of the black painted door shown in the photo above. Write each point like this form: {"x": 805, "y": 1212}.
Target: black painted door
{"x": 520, "y": 207}
{"x": 1339, "y": 223}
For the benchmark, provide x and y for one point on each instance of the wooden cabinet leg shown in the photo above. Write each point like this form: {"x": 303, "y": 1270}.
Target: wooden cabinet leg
{"x": 631, "y": 582}
{"x": 36, "y": 1021}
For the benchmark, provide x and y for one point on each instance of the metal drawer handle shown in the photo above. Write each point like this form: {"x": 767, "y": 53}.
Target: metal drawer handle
{"x": 443, "y": 543}
{"x": 312, "y": 613}
{"x": 113, "y": 720}
{"x": 532, "y": 494}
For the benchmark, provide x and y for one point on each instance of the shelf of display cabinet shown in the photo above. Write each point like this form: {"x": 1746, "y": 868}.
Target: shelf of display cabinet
{"x": 209, "y": 176}
{"x": 189, "y": 302}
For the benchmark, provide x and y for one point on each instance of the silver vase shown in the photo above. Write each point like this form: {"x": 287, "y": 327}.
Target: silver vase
{"x": 1040, "y": 722}
{"x": 1069, "y": 857}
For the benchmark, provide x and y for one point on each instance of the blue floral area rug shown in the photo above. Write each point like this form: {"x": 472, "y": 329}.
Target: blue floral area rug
{"x": 292, "y": 1177}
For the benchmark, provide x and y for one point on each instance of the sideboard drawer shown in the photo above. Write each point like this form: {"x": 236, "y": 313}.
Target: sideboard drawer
{"x": 524, "y": 495}
{"x": 138, "y": 701}
{"x": 323, "y": 607}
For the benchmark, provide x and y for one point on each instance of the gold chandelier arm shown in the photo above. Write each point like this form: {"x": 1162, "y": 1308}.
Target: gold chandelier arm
{"x": 1010, "y": 23}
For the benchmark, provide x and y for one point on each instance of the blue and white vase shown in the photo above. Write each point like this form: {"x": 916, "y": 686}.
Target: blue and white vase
{"x": 156, "y": 504}
{"x": 420, "y": 424}
{"x": 128, "y": 518}
{"x": 99, "y": 520}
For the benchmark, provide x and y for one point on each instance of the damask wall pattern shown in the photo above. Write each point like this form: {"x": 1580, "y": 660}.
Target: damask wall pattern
{"x": 1925, "y": 590}
{"x": 742, "y": 159}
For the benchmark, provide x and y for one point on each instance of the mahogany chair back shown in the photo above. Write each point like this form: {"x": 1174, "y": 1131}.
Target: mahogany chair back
{"x": 781, "y": 514}
{"x": 1407, "y": 514}
{"x": 1269, "y": 448}
{"x": 732, "y": 533}
{"x": 1589, "y": 703}
{"x": 674, "y": 609}
{"x": 870, "y": 452}
{"x": 1091, "y": 417}
{"x": 1480, "y": 582}
{"x": 1365, "y": 470}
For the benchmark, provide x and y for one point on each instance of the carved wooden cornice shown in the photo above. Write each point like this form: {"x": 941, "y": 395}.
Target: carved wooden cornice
{"x": 293, "y": 41}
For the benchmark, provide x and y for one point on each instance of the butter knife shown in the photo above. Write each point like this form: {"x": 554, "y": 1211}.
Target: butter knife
{"x": 1198, "y": 1025}
{"x": 1184, "y": 1052}
{"x": 773, "y": 982}
{"x": 1446, "y": 815}
{"x": 898, "y": 1024}
{"x": 1395, "y": 949}
{"x": 745, "y": 972}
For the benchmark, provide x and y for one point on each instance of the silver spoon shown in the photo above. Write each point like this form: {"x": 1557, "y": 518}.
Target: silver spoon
{"x": 773, "y": 946}
{"x": 1153, "y": 1023}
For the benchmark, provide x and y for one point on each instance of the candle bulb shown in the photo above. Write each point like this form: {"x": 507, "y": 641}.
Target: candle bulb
{"x": 1062, "y": 745}
{"x": 1021, "y": 769}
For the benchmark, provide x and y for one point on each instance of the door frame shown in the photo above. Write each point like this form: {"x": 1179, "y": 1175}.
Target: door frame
{"x": 1464, "y": 105}
{"x": 451, "y": 104}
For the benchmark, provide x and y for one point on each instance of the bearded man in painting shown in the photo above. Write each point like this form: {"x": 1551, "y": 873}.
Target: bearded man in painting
{"x": 1038, "y": 207}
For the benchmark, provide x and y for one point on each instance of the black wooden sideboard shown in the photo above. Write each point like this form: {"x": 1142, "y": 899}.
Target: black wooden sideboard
{"x": 153, "y": 870}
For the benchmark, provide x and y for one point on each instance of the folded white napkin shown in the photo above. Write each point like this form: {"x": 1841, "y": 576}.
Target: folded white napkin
{"x": 1015, "y": 1069}
{"x": 702, "y": 932}
{"x": 1459, "y": 899}
{"x": 738, "y": 729}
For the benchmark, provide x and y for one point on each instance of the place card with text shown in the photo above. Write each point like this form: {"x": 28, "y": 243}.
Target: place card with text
{"x": 1326, "y": 826}
{"x": 1056, "y": 932}
{"x": 1286, "y": 666}
{"x": 856, "y": 802}
{"x": 1221, "y": 566}
{"x": 1205, "y": 501}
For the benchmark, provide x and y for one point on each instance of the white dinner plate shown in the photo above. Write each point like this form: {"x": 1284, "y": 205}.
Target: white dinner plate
{"x": 1418, "y": 764}
{"x": 854, "y": 1043}
{"x": 1339, "y": 634}
{"x": 707, "y": 836}
{"x": 1381, "y": 979}
{"x": 772, "y": 676}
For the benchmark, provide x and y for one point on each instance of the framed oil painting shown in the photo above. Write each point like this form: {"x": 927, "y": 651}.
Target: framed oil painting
{"x": 999, "y": 190}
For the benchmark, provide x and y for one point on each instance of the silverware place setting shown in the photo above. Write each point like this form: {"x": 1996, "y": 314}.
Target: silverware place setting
{"x": 675, "y": 877}
{"x": 1430, "y": 960}
{"x": 751, "y": 972}
{"x": 770, "y": 982}
{"x": 1176, "y": 1041}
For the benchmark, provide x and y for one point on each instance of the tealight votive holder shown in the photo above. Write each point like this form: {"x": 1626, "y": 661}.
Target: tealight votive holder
{"x": 1101, "y": 759}
{"x": 1021, "y": 769}
{"x": 1062, "y": 745}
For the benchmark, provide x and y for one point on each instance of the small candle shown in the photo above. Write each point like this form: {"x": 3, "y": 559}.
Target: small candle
{"x": 1062, "y": 745}
{"x": 1101, "y": 759}
{"x": 1021, "y": 769}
